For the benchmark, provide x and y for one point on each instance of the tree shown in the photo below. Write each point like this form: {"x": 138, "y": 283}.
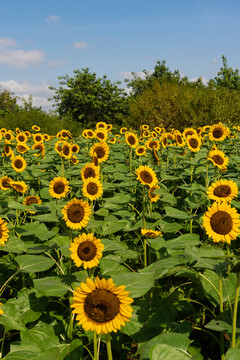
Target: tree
{"x": 89, "y": 99}
{"x": 227, "y": 77}
{"x": 8, "y": 103}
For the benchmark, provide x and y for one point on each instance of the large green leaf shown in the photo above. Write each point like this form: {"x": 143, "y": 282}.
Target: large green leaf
{"x": 233, "y": 354}
{"x": 34, "y": 263}
{"x": 177, "y": 214}
{"x": 163, "y": 352}
{"x": 53, "y": 286}
{"x": 183, "y": 241}
{"x": 136, "y": 283}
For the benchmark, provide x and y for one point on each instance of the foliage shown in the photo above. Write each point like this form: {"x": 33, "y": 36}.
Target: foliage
{"x": 89, "y": 99}
{"x": 173, "y": 105}
{"x": 8, "y": 103}
{"x": 227, "y": 77}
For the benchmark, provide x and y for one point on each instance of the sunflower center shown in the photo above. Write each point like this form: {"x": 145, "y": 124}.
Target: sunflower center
{"x": 21, "y": 148}
{"x": 92, "y": 188}
{"x": 6, "y": 183}
{"x": 193, "y": 143}
{"x": 1, "y": 233}
{"x": 152, "y": 144}
{"x": 218, "y": 159}
{"x": 189, "y": 132}
{"x": 38, "y": 147}
{"x": 179, "y": 139}
{"x": 89, "y": 172}
{"x": 74, "y": 149}
{"x": 89, "y": 133}
{"x": 222, "y": 191}
{"x": 18, "y": 187}
{"x": 75, "y": 213}
{"x": 87, "y": 250}
{"x": 100, "y": 135}
{"x": 58, "y": 187}
{"x": 140, "y": 150}
{"x": 146, "y": 176}
{"x": 66, "y": 150}
{"x": 8, "y": 136}
{"x": 18, "y": 164}
{"x": 100, "y": 152}
{"x": 221, "y": 222}
{"x": 31, "y": 200}
{"x": 101, "y": 305}
{"x": 217, "y": 133}
{"x": 38, "y": 138}
{"x": 21, "y": 138}
{"x": 131, "y": 140}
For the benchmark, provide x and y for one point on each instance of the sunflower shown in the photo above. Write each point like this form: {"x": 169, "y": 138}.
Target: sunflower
{"x": 146, "y": 175}
{"x": 153, "y": 197}
{"x": 19, "y": 186}
{"x": 1, "y": 311}
{"x": 150, "y": 233}
{"x": 123, "y": 130}
{"x": 8, "y": 151}
{"x": 218, "y": 132}
{"x": 75, "y": 148}
{"x": 100, "y": 150}
{"x": 109, "y": 127}
{"x": 58, "y": 146}
{"x": 4, "y": 232}
{"x": 76, "y": 213}
{"x": 89, "y": 170}
{"x": 38, "y": 138}
{"x": 222, "y": 190}
{"x": 22, "y": 148}
{"x": 21, "y": 137}
{"x": 145, "y": 127}
{"x": 59, "y": 187}
{"x": 36, "y": 128}
{"x": 40, "y": 147}
{"x": 131, "y": 139}
{"x": 19, "y": 163}
{"x": 84, "y": 134}
{"x": 152, "y": 143}
{"x": 66, "y": 150}
{"x": 5, "y": 183}
{"x": 140, "y": 150}
{"x": 221, "y": 222}
{"x": 146, "y": 133}
{"x": 218, "y": 159}
{"x": 27, "y": 133}
{"x": 193, "y": 142}
{"x": 32, "y": 199}
{"x": 101, "y": 134}
{"x": 179, "y": 138}
{"x": 90, "y": 133}
{"x": 189, "y": 131}
{"x": 112, "y": 140}
{"x": 101, "y": 306}
{"x": 101, "y": 125}
{"x": 46, "y": 137}
{"x": 3, "y": 130}
{"x": 92, "y": 188}
{"x": 8, "y": 136}
{"x": 86, "y": 250}
{"x": 74, "y": 160}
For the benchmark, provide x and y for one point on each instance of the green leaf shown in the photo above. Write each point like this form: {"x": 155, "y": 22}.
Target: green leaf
{"x": 45, "y": 218}
{"x": 137, "y": 284}
{"x": 53, "y": 286}
{"x": 233, "y": 354}
{"x": 163, "y": 352}
{"x": 183, "y": 241}
{"x": 111, "y": 227}
{"x": 177, "y": 214}
{"x": 34, "y": 263}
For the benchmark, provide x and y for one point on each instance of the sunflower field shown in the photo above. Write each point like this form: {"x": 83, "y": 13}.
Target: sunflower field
{"x": 120, "y": 245}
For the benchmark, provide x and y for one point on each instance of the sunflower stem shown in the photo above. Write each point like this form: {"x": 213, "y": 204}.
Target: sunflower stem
{"x": 206, "y": 177}
{"x": 95, "y": 345}
{"x": 130, "y": 160}
{"x": 2, "y": 342}
{"x": 221, "y": 311}
{"x": 234, "y": 318}
{"x": 109, "y": 350}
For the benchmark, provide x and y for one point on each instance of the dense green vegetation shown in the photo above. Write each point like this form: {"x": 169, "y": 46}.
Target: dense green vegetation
{"x": 161, "y": 98}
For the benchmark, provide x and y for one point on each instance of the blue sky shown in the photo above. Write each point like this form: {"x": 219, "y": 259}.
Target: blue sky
{"x": 41, "y": 40}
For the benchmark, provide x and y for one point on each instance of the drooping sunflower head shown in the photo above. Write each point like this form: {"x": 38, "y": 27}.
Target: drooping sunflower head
{"x": 39, "y": 146}
{"x": 19, "y": 186}
{"x": 151, "y": 233}
{"x": 4, "y": 232}
{"x": 36, "y": 128}
{"x": 218, "y": 158}
{"x": 32, "y": 199}
{"x": 131, "y": 139}
{"x": 74, "y": 160}
{"x": 100, "y": 150}
{"x": 92, "y": 188}
{"x": 19, "y": 163}
{"x": 101, "y": 306}
{"x": 146, "y": 175}
{"x": 89, "y": 170}
{"x": 76, "y": 213}
{"x": 222, "y": 190}
{"x": 221, "y": 222}
{"x": 86, "y": 250}
{"x": 140, "y": 150}
{"x": 59, "y": 187}
{"x": 218, "y": 132}
{"x": 5, "y": 183}
{"x": 22, "y": 148}
{"x": 189, "y": 131}
{"x": 21, "y": 137}
{"x": 193, "y": 142}
{"x": 153, "y": 197}
{"x": 152, "y": 143}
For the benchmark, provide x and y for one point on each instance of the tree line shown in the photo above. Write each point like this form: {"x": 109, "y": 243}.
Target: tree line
{"x": 159, "y": 98}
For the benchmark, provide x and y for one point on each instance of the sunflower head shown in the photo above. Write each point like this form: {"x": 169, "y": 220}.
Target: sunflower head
{"x": 76, "y": 213}
{"x": 101, "y": 125}
{"x": 146, "y": 175}
{"x": 100, "y": 150}
{"x": 140, "y": 150}
{"x": 32, "y": 199}
{"x": 19, "y": 186}
{"x": 218, "y": 158}
{"x": 21, "y": 137}
{"x": 101, "y": 134}
{"x": 222, "y": 190}
{"x": 218, "y": 132}
{"x": 66, "y": 150}
{"x": 39, "y": 146}
{"x": 59, "y": 187}
{"x": 5, "y": 183}
{"x": 150, "y": 233}
{"x": 86, "y": 250}
{"x": 153, "y": 197}
{"x": 193, "y": 142}
{"x": 75, "y": 148}
{"x": 131, "y": 139}
{"x": 4, "y": 232}
{"x": 221, "y": 222}
{"x": 19, "y": 163}
{"x": 92, "y": 188}
{"x": 101, "y": 306}
{"x": 22, "y": 148}
{"x": 36, "y": 128}
{"x": 90, "y": 170}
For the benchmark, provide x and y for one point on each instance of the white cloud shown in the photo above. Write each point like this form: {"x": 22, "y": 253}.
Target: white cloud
{"x": 22, "y": 58}
{"x": 52, "y": 18}
{"x": 58, "y": 63}
{"x": 128, "y": 75}
{"x": 215, "y": 61}
{"x": 40, "y": 92}
{"x": 204, "y": 80}
{"x": 7, "y": 42}
{"x": 80, "y": 45}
